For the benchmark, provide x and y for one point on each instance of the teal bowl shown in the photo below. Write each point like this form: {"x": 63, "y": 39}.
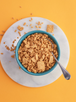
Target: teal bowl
{"x": 19, "y": 43}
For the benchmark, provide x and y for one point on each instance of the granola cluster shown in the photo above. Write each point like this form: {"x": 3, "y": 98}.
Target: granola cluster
{"x": 35, "y": 53}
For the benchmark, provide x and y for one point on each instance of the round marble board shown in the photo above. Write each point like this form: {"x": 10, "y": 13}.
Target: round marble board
{"x": 12, "y": 68}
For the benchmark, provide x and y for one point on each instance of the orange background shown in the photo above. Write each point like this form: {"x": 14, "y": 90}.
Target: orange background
{"x": 61, "y": 12}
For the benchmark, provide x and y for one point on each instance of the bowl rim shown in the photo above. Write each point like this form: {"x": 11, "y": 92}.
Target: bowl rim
{"x": 19, "y": 43}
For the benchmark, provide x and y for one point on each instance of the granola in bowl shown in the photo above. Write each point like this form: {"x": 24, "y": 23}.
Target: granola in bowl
{"x": 34, "y": 53}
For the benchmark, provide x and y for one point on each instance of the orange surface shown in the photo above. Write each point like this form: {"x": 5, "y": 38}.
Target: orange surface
{"x": 61, "y": 12}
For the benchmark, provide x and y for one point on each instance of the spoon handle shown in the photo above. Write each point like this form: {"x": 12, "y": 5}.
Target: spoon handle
{"x": 64, "y": 71}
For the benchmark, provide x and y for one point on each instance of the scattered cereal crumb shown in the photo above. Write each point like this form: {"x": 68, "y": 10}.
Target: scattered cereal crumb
{"x": 15, "y": 31}
{"x": 50, "y": 28}
{"x": 20, "y": 28}
{"x": 39, "y": 26}
{"x": 12, "y": 45}
{"x": 36, "y": 26}
{"x": 3, "y": 42}
{"x": 20, "y": 6}
{"x": 13, "y": 56}
{"x": 9, "y": 61}
{"x": 42, "y": 23}
{"x": 37, "y": 29}
{"x": 31, "y": 13}
{"x": 17, "y": 37}
{"x": 24, "y": 23}
{"x": 19, "y": 33}
{"x": 1, "y": 53}
{"x": 24, "y": 32}
{"x": 31, "y": 18}
{"x": 52, "y": 34}
{"x": 31, "y": 26}
{"x": 19, "y": 67}
{"x": 7, "y": 47}
{"x": 39, "y": 23}
{"x": 3, "y": 31}
{"x": 36, "y": 22}
{"x": 12, "y": 17}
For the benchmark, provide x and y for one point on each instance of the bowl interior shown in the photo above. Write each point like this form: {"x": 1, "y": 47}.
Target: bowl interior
{"x": 19, "y": 43}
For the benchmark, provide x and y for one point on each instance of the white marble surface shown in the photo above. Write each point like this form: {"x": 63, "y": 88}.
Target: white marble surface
{"x": 12, "y": 68}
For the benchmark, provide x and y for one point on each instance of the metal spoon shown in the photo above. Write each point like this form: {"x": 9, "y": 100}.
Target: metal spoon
{"x": 66, "y": 74}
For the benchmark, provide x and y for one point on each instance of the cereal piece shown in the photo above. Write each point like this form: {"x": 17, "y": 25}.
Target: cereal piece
{"x": 3, "y": 42}
{"x": 36, "y": 56}
{"x": 15, "y": 31}
{"x": 39, "y": 23}
{"x": 19, "y": 33}
{"x": 39, "y": 26}
{"x": 20, "y": 6}
{"x": 24, "y": 23}
{"x": 42, "y": 23}
{"x": 3, "y": 31}
{"x": 19, "y": 67}
{"x": 12, "y": 17}
{"x": 31, "y": 26}
{"x": 13, "y": 56}
{"x": 17, "y": 37}
{"x": 50, "y": 28}
{"x": 36, "y": 26}
{"x": 19, "y": 27}
{"x": 52, "y": 34}
{"x": 31, "y": 18}
{"x": 41, "y": 65}
{"x": 51, "y": 59}
{"x": 1, "y": 53}
{"x": 7, "y": 47}
{"x": 24, "y": 32}
{"x": 31, "y": 13}
{"x": 12, "y": 45}
{"x": 33, "y": 59}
